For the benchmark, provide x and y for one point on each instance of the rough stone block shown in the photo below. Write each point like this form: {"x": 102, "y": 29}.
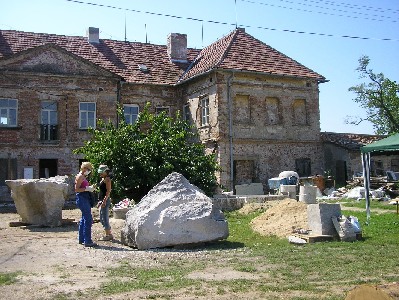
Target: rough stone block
{"x": 174, "y": 212}
{"x": 40, "y": 201}
{"x": 319, "y": 218}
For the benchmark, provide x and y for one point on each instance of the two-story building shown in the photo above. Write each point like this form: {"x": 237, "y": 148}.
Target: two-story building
{"x": 253, "y": 106}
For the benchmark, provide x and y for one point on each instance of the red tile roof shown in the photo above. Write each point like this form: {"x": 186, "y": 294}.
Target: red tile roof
{"x": 350, "y": 141}
{"x": 238, "y": 50}
{"x": 241, "y": 51}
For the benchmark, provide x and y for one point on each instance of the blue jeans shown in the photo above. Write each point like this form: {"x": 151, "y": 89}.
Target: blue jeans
{"x": 82, "y": 201}
{"x": 104, "y": 215}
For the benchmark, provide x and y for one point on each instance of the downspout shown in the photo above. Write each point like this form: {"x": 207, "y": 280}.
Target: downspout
{"x": 118, "y": 99}
{"x": 229, "y": 102}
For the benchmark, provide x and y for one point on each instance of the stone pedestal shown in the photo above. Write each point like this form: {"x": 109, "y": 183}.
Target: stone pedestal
{"x": 288, "y": 189}
{"x": 319, "y": 218}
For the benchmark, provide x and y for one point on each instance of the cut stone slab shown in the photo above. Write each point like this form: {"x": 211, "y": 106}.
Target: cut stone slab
{"x": 319, "y": 218}
{"x": 174, "y": 212}
{"x": 249, "y": 189}
{"x": 40, "y": 201}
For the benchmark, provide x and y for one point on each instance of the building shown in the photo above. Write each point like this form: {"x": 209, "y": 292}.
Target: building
{"x": 253, "y": 106}
{"x": 343, "y": 159}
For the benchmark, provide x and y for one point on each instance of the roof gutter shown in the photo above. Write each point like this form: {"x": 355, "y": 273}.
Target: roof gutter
{"x": 319, "y": 80}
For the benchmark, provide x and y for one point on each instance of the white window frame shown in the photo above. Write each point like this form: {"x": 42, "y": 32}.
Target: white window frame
{"x": 204, "y": 111}
{"x": 132, "y": 117}
{"x": 89, "y": 114}
{"x": 7, "y": 108}
{"x": 48, "y": 110}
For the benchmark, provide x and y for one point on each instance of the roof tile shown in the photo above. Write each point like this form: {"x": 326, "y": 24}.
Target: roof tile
{"x": 237, "y": 50}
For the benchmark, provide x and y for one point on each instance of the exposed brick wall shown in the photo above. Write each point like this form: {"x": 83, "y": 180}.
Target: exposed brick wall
{"x": 265, "y": 137}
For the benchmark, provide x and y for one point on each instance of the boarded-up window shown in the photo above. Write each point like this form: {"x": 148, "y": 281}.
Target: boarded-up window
{"x": 244, "y": 171}
{"x": 272, "y": 111}
{"x": 299, "y": 112}
{"x": 242, "y": 111}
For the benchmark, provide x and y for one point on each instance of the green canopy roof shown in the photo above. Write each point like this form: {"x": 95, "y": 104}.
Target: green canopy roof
{"x": 390, "y": 143}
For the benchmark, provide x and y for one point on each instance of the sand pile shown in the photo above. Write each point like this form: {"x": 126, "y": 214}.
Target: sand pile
{"x": 282, "y": 218}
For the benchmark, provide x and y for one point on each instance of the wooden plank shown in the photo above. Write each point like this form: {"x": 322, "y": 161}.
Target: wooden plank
{"x": 311, "y": 238}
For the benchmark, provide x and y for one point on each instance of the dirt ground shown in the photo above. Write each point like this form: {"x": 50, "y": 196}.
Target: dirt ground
{"x": 51, "y": 263}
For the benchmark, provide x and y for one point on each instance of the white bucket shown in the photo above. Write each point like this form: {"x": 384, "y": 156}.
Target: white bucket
{"x": 290, "y": 189}
{"x": 307, "y": 194}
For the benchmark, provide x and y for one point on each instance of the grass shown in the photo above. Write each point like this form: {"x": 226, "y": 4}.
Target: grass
{"x": 8, "y": 278}
{"x": 323, "y": 270}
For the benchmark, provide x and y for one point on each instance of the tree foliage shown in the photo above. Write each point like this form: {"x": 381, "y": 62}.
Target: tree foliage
{"x": 142, "y": 154}
{"x": 379, "y": 97}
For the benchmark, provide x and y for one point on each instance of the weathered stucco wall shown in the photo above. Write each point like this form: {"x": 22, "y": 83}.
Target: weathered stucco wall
{"x": 268, "y": 130}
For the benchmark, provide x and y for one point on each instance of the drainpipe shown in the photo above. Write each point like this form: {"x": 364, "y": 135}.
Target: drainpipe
{"x": 229, "y": 102}
{"x": 118, "y": 99}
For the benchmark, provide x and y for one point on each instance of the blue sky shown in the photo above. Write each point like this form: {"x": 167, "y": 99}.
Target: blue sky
{"x": 285, "y": 25}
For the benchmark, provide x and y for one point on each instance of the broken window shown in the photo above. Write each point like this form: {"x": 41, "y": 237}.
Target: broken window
{"x": 299, "y": 112}
{"x": 8, "y": 112}
{"x": 242, "y": 111}
{"x": 272, "y": 111}
{"x": 49, "y": 121}
{"x": 130, "y": 112}
{"x": 87, "y": 115}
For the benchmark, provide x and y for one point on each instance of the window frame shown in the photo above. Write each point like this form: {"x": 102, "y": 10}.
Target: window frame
{"x": 87, "y": 112}
{"x": 130, "y": 115}
{"x": 160, "y": 109}
{"x": 7, "y": 110}
{"x": 187, "y": 113}
{"x": 204, "y": 111}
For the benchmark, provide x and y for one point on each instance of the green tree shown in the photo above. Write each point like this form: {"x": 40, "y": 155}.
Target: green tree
{"x": 380, "y": 99}
{"x": 142, "y": 154}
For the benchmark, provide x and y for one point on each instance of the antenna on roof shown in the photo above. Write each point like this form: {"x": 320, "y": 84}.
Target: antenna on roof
{"x": 235, "y": 7}
{"x": 125, "y": 27}
{"x": 202, "y": 34}
{"x": 145, "y": 26}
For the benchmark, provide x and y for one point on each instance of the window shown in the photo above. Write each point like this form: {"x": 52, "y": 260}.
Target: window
{"x": 131, "y": 112}
{"x": 299, "y": 112}
{"x": 272, "y": 111}
{"x": 8, "y": 170}
{"x": 242, "y": 109}
{"x": 161, "y": 109}
{"x": 205, "y": 111}
{"x": 49, "y": 121}
{"x": 303, "y": 167}
{"x": 8, "y": 112}
{"x": 187, "y": 113}
{"x": 87, "y": 115}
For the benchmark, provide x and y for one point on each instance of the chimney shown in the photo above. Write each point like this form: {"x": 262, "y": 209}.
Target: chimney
{"x": 93, "y": 35}
{"x": 177, "y": 47}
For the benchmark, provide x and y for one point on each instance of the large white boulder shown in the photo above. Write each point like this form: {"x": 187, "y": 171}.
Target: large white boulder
{"x": 174, "y": 212}
{"x": 40, "y": 201}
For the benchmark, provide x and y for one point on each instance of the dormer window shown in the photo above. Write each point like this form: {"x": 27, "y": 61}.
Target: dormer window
{"x": 143, "y": 68}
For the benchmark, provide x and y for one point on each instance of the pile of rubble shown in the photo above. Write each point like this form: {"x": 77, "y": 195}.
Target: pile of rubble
{"x": 384, "y": 193}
